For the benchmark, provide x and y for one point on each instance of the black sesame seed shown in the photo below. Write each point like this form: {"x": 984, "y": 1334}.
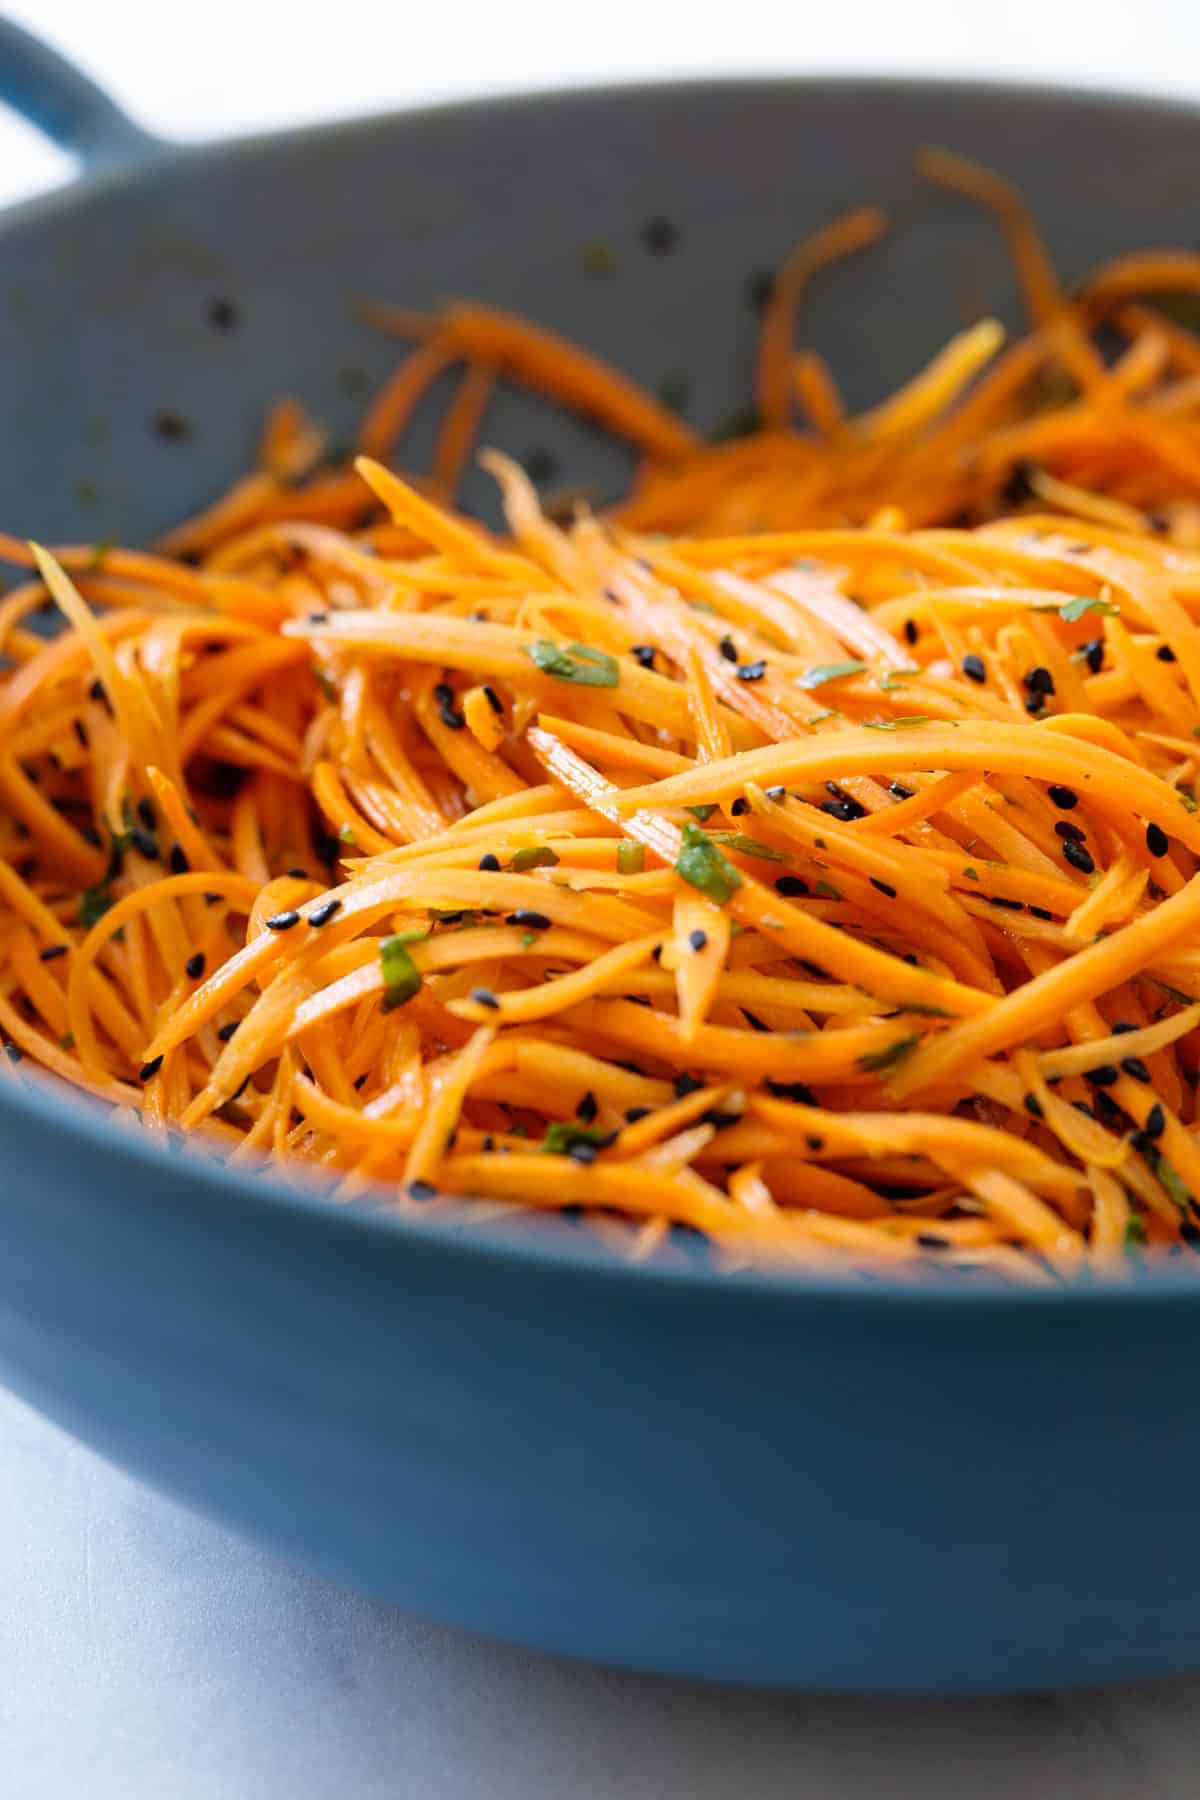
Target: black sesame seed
{"x": 1019, "y": 486}
{"x": 178, "y": 861}
{"x": 720, "y": 1121}
{"x": 1155, "y": 1122}
{"x": 211, "y": 899}
{"x": 1093, "y": 654}
{"x": 1034, "y": 703}
{"x": 884, "y": 887}
{"x": 1033, "y": 1106}
{"x": 1007, "y": 905}
{"x": 14, "y": 1052}
{"x": 685, "y": 1085}
{"x": 930, "y": 1240}
{"x": 52, "y": 952}
{"x": 1121, "y": 1027}
{"x": 753, "y": 1020}
{"x": 697, "y": 939}
{"x": 741, "y": 805}
{"x": 753, "y": 671}
{"x": 96, "y": 690}
{"x": 792, "y": 1090}
{"x": 493, "y": 699}
{"x": 150, "y": 1069}
{"x": 1156, "y": 840}
{"x": 283, "y": 921}
{"x": 1104, "y": 1076}
{"x": 644, "y": 654}
{"x": 791, "y": 886}
{"x": 815, "y": 1143}
{"x": 728, "y": 649}
{"x": 540, "y": 465}
{"x": 530, "y": 920}
{"x": 1135, "y": 1067}
{"x": 844, "y": 810}
{"x": 582, "y": 1153}
{"x": 1066, "y": 828}
{"x": 170, "y": 426}
{"x": 899, "y": 792}
{"x": 298, "y": 874}
{"x": 223, "y": 315}
{"x": 634, "y": 1113}
{"x": 758, "y": 290}
{"x": 225, "y": 1032}
{"x": 1041, "y": 912}
{"x": 489, "y": 862}
{"x": 194, "y": 967}
{"x": 587, "y": 1108}
{"x": 974, "y": 668}
{"x": 1079, "y": 857}
{"x": 145, "y": 812}
{"x": 421, "y": 1190}
{"x": 484, "y": 997}
{"x": 1165, "y": 653}
{"x": 1063, "y": 797}
{"x": 1081, "y": 1106}
{"x": 317, "y": 618}
{"x": 659, "y": 235}
{"x": 775, "y": 793}
{"x": 145, "y": 843}
{"x": 321, "y": 915}
{"x": 910, "y": 631}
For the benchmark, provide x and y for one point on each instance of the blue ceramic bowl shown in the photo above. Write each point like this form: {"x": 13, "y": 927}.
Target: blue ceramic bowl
{"x": 746, "y": 1478}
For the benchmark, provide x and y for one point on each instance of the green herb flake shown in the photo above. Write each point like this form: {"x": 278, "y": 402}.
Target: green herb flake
{"x": 1174, "y": 1183}
{"x": 1186, "y": 801}
{"x": 100, "y": 554}
{"x": 577, "y": 663}
{"x": 737, "y": 840}
{"x": 703, "y": 813}
{"x": 876, "y": 1061}
{"x": 401, "y": 976}
{"x": 702, "y": 866}
{"x": 564, "y": 1136}
{"x": 896, "y": 724}
{"x": 815, "y": 678}
{"x": 327, "y": 684}
{"x": 971, "y": 874}
{"x": 1135, "y": 1234}
{"x": 598, "y": 258}
{"x": 528, "y": 939}
{"x": 826, "y": 890}
{"x": 94, "y": 902}
{"x": 1074, "y": 609}
{"x": 346, "y": 834}
{"x": 1172, "y": 993}
{"x": 896, "y": 678}
{"x": 820, "y": 718}
{"x": 534, "y": 856}
{"x": 631, "y": 858}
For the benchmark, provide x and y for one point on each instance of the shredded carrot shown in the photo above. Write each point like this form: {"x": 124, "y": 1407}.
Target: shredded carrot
{"x": 805, "y": 852}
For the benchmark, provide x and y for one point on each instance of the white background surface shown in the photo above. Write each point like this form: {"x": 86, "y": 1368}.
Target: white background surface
{"x": 147, "y": 1655}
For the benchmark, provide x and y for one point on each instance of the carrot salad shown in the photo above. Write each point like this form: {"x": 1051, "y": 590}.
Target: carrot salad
{"x": 803, "y": 853}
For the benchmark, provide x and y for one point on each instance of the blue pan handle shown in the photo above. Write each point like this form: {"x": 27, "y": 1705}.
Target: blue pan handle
{"x": 61, "y": 101}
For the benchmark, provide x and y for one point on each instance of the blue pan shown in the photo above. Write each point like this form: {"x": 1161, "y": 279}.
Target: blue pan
{"x": 745, "y": 1478}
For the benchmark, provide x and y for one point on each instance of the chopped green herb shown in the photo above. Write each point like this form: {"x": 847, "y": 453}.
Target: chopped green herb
{"x": 528, "y": 938}
{"x": 326, "y": 683}
{"x": 927, "y": 1012}
{"x": 1135, "y": 1233}
{"x": 889, "y": 1056}
{"x": 896, "y": 724}
{"x": 100, "y": 554}
{"x": 737, "y": 840}
{"x": 896, "y": 678}
{"x": 819, "y": 718}
{"x": 1174, "y": 1183}
{"x": 577, "y": 663}
{"x": 1076, "y": 608}
{"x": 401, "y": 976}
{"x": 597, "y": 258}
{"x": 971, "y": 874}
{"x": 1186, "y": 801}
{"x": 702, "y": 866}
{"x": 703, "y": 813}
{"x": 564, "y": 1136}
{"x": 826, "y": 890}
{"x": 815, "y": 678}
{"x": 631, "y": 858}
{"x": 1172, "y": 993}
{"x": 534, "y": 856}
{"x": 94, "y": 902}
